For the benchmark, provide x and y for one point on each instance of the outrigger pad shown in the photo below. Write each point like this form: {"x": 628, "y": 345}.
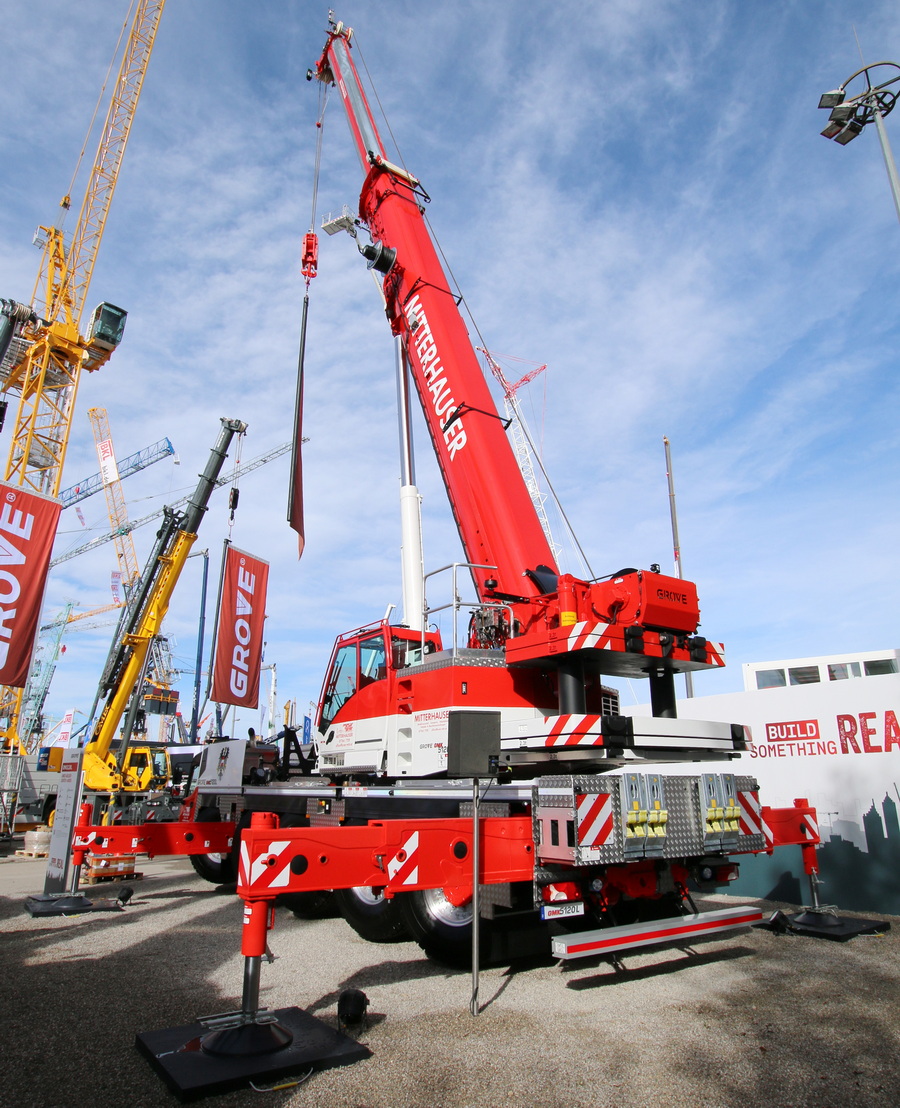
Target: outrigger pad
{"x": 822, "y": 924}
{"x": 176, "y": 1055}
{"x": 827, "y": 925}
{"x": 67, "y": 905}
{"x": 48, "y": 905}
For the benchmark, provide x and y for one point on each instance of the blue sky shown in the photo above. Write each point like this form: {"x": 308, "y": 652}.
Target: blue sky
{"x": 634, "y": 192}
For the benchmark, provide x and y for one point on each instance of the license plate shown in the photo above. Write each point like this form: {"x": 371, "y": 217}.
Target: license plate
{"x": 557, "y": 911}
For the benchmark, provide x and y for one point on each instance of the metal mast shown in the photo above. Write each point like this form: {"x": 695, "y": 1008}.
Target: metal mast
{"x": 45, "y": 377}
{"x": 520, "y": 442}
{"x": 45, "y": 359}
{"x": 115, "y": 499}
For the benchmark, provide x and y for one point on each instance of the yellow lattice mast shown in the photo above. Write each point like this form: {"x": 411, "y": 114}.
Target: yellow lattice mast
{"x": 115, "y": 499}
{"x": 41, "y": 375}
{"x": 45, "y": 377}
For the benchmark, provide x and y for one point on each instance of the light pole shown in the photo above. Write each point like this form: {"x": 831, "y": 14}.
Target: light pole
{"x": 850, "y": 114}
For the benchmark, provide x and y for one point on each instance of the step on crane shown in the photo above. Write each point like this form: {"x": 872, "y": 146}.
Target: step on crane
{"x": 48, "y": 344}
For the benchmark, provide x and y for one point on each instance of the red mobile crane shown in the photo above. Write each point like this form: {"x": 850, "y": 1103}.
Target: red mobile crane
{"x": 524, "y": 696}
{"x": 406, "y": 723}
{"x": 558, "y": 634}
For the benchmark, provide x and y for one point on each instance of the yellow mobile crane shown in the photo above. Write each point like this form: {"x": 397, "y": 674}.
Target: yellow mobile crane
{"x": 45, "y": 344}
{"x": 121, "y": 770}
{"x": 123, "y": 676}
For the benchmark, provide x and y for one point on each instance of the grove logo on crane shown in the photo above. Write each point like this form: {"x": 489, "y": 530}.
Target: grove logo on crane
{"x": 442, "y": 399}
{"x": 239, "y": 634}
{"x": 27, "y": 529}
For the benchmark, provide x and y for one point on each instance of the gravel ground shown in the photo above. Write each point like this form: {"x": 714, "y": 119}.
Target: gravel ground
{"x": 749, "y": 1019}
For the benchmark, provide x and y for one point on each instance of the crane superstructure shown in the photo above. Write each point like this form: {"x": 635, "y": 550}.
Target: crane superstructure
{"x": 544, "y": 638}
{"x": 46, "y": 347}
{"x": 44, "y": 377}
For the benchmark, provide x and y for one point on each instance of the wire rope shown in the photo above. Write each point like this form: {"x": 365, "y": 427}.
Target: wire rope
{"x": 87, "y": 137}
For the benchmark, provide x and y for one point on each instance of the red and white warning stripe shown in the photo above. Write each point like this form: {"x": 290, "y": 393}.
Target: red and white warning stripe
{"x": 751, "y": 814}
{"x": 267, "y": 871}
{"x": 575, "y": 730}
{"x": 585, "y": 635}
{"x": 595, "y": 818}
{"x": 811, "y": 826}
{"x": 403, "y": 868}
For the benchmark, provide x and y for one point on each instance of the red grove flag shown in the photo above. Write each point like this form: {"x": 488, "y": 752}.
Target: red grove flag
{"x": 239, "y": 635}
{"x": 27, "y": 529}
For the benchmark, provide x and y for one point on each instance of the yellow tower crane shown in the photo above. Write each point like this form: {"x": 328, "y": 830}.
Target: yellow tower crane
{"x": 49, "y": 350}
{"x": 115, "y": 499}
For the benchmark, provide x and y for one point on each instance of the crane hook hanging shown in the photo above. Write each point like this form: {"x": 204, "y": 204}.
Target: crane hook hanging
{"x": 310, "y": 259}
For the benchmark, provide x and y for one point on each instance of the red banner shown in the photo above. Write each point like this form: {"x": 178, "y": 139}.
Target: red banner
{"x": 27, "y": 530}
{"x": 239, "y": 636}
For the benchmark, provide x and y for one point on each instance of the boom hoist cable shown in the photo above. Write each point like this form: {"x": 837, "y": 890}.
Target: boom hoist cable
{"x": 308, "y": 268}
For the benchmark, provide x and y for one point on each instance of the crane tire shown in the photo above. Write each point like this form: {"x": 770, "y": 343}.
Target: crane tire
{"x": 373, "y": 916}
{"x": 218, "y": 869}
{"x": 443, "y": 930}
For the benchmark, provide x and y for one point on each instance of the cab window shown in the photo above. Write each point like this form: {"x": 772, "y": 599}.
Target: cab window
{"x": 341, "y": 683}
{"x": 371, "y": 660}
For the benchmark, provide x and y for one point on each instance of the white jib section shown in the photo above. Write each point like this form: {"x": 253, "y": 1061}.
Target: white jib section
{"x": 411, "y": 558}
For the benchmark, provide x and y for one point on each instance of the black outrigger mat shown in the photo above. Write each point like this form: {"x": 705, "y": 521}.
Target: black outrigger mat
{"x": 39, "y": 906}
{"x": 176, "y": 1055}
{"x": 824, "y": 925}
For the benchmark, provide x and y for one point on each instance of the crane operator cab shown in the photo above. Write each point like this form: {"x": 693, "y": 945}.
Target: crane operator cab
{"x": 365, "y": 664}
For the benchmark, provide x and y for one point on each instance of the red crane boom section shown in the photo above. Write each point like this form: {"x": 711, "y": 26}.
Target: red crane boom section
{"x": 497, "y": 521}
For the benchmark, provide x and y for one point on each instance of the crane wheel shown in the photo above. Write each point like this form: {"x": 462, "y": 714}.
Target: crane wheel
{"x": 218, "y": 869}
{"x": 372, "y": 915}
{"x": 443, "y": 930}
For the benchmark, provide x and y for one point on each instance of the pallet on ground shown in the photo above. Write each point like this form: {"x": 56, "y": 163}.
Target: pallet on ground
{"x": 101, "y": 878}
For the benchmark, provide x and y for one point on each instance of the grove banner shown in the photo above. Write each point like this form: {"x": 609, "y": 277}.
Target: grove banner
{"x": 239, "y": 631}
{"x": 27, "y": 529}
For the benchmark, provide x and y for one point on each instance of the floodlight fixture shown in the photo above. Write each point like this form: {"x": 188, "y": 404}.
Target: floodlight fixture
{"x": 849, "y": 132}
{"x": 833, "y": 130}
{"x": 850, "y": 115}
{"x": 842, "y": 112}
{"x": 832, "y": 99}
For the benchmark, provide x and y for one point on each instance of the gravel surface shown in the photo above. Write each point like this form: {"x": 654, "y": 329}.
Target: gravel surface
{"x": 749, "y": 1019}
